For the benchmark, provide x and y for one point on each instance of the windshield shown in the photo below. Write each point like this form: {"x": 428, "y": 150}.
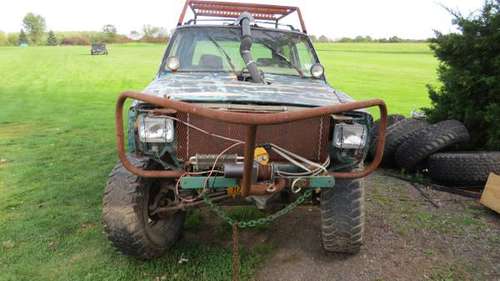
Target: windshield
{"x": 218, "y": 49}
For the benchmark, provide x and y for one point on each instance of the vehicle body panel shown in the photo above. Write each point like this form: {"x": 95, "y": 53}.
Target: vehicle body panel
{"x": 224, "y": 87}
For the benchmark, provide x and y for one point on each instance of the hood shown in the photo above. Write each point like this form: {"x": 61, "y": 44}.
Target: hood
{"x": 224, "y": 87}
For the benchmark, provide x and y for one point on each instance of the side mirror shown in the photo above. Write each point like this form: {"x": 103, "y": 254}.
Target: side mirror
{"x": 317, "y": 70}
{"x": 173, "y": 63}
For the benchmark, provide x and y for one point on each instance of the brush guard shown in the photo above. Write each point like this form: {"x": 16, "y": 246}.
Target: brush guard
{"x": 251, "y": 121}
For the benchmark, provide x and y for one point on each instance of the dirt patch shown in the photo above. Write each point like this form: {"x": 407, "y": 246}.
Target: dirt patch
{"x": 406, "y": 238}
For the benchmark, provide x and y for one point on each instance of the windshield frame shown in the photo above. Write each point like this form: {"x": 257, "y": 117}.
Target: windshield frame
{"x": 303, "y": 36}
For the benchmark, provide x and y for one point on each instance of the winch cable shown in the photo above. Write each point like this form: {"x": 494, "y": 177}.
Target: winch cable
{"x": 291, "y": 160}
{"x": 298, "y": 157}
{"x": 314, "y": 172}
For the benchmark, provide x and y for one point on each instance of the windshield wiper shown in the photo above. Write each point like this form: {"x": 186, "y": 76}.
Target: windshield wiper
{"x": 228, "y": 58}
{"x": 285, "y": 59}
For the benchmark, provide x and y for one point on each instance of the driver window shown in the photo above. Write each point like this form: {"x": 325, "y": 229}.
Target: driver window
{"x": 206, "y": 56}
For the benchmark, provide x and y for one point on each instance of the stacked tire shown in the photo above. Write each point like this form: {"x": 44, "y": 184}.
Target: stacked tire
{"x": 391, "y": 119}
{"x": 397, "y": 134}
{"x": 427, "y": 141}
{"x": 464, "y": 168}
{"x": 413, "y": 144}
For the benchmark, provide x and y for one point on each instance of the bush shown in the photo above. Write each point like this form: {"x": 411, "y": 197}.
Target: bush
{"x": 3, "y": 39}
{"x": 75, "y": 40}
{"x": 159, "y": 39}
{"x": 470, "y": 76}
{"x": 52, "y": 39}
{"x": 12, "y": 39}
{"x": 120, "y": 39}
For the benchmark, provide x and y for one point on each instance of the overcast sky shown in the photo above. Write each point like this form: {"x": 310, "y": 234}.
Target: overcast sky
{"x": 334, "y": 18}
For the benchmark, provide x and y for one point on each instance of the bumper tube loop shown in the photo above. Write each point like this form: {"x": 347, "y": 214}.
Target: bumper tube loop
{"x": 252, "y": 121}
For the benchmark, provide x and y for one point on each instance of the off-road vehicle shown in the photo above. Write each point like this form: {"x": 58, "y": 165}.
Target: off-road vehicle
{"x": 239, "y": 112}
{"x": 98, "y": 49}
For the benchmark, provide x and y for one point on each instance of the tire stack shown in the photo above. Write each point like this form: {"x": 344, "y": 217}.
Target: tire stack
{"x": 414, "y": 144}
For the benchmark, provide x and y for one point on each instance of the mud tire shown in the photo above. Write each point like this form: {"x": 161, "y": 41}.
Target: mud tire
{"x": 342, "y": 216}
{"x": 391, "y": 120}
{"x": 464, "y": 168}
{"x": 423, "y": 143}
{"x": 126, "y": 217}
{"x": 397, "y": 134}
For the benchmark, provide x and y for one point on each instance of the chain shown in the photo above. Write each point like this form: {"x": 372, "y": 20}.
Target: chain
{"x": 248, "y": 224}
{"x": 253, "y": 223}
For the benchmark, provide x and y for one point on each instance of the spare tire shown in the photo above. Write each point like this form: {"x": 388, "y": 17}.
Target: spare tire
{"x": 391, "y": 120}
{"x": 422, "y": 143}
{"x": 464, "y": 168}
{"x": 397, "y": 134}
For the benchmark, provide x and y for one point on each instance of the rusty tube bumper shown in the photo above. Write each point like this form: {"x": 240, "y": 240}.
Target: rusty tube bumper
{"x": 252, "y": 121}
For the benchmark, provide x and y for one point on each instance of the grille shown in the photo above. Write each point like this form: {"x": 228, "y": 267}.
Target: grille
{"x": 308, "y": 138}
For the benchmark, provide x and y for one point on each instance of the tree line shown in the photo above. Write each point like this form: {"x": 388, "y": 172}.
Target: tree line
{"x": 366, "y": 39}
{"x": 34, "y": 32}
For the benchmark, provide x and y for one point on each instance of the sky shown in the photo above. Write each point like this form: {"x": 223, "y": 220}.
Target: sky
{"x": 415, "y": 19}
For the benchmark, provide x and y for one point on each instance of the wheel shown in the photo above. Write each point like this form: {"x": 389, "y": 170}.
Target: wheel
{"x": 464, "y": 168}
{"x": 342, "y": 216}
{"x": 397, "y": 134}
{"x": 391, "y": 120}
{"x": 126, "y": 213}
{"x": 423, "y": 143}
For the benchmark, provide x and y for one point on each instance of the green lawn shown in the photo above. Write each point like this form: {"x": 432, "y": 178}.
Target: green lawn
{"x": 398, "y": 73}
{"x": 57, "y": 147}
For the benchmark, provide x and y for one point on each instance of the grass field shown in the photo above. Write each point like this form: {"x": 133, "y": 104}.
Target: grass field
{"x": 57, "y": 147}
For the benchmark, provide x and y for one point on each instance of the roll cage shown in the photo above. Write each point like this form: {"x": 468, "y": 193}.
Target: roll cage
{"x": 225, "y": 11}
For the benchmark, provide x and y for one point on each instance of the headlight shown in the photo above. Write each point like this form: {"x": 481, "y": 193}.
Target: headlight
{"x": 155, "y": 129}
{"x": 348, "y": 136}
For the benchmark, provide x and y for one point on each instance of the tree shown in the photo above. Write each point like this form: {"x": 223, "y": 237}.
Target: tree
{"x": 35, "y": 26}
{"x": 51, "y": 39}
{"x": 323, "y": 39}
{"x": 110, "y": 33}
{"x": 22, "y": 39}
{"x": 135, "y": 35}
{"x": 3, "y": 39}
{"x": 150, "y": 31}
{"x": 313, "y": 38}
{"x": 345, "y": 39}
{"x": 359, "y": 38}
{"x": 13, "y": 39}
{"x": 395, "y": 39}
{"x": 154, "y": 34}
{"x": 470, "y": 75}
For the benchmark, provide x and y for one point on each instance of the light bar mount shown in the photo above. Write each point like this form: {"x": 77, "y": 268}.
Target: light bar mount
{"x": 219, "y": 9}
